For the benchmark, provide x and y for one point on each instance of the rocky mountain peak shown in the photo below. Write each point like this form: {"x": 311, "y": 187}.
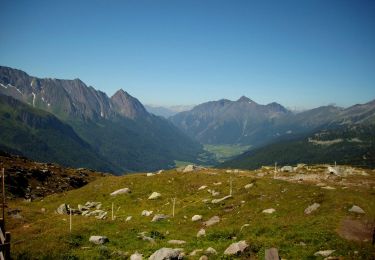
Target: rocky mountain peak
{"x": 244, "y": 99}
{"x": 127, "y": 106}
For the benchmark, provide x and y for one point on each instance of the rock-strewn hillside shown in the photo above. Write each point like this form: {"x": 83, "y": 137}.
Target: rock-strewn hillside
{"x": 304, "y": 211}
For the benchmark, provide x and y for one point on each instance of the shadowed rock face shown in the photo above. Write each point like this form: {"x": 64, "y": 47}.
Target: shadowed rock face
{"x": 127, "y": 105}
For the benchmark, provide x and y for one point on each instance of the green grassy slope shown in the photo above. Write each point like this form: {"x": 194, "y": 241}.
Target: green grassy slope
{"x": 353, "y": 145}
{"x": 41, "y": 136}
{"x": 297, "y": 236}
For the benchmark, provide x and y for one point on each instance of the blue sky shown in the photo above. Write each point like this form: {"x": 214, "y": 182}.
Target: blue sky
{"x": 298, "y": 53}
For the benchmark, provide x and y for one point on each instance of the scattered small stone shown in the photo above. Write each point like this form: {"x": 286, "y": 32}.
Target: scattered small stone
{"x": 248, "y": 186}
{"x": 269, "y": 211}
{"x": 201, "y": 233}
{"x": 287, "y": 168}
{"x": 165, "y": 253}
{"x": 136, "y": 256}
{"x": 203, "y": 257}
{"x": 146, "y": 213}
{"x": 324, "y": 253}
{"x": 312, "y": 208}
{"x": 243, "y": 226}
{"x": 194, "y": 253}
{"x": 357, "y": 209}
{"x": 120, "y": 254}
{"x": 154, "y": 195}
{"x": 150, "y": 174}
{"x": 128, "y": 218}
{"x": 215, "y": 201}
{"x": 196, "y": 217}
{"x": 212, "y": 221}
{"x": 176, "y": 242}
{"x": 63, "y": 209}
{"x": 120, "y": 191}
{"x": 328, "y": 188}
{"x": 211, "y": 251}
{"x": 236, "y": 248}
{"x": 271, "y": 254}
{"x": 202, "y": 187}
{"x": 159, "y": 217}
{"x": 99, "y": 240}
{"x": 217, "y": 183}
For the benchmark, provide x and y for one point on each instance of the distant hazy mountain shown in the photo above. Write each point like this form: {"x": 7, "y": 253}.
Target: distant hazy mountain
{"x": 166, "y": 111}
{"x": 118, "y": 128}
{"x": 247, "y": 122}
{"x": 229, "y": 122}
{"x": 349, "y": 138}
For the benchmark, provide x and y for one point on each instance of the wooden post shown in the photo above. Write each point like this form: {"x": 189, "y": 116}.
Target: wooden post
{"x": 174, "y": 204}
{"x": 112, "y": 212}
{"x": 70, "y": 220}
{"x": 7, "y": 245}
{"x": 3, "y": 185}
{"x": 230, "y": 191}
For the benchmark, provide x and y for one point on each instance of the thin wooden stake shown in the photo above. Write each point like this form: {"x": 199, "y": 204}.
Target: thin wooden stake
{"x": 174, "y": 204}
{"x": 112, "y": 211}
{"x": 70, "y": 220}
{"x": 274, "y": 175}
{"x": 230, "y": 192}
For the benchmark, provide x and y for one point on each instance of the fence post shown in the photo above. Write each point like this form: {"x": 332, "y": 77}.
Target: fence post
{"x": 174, "y": 204}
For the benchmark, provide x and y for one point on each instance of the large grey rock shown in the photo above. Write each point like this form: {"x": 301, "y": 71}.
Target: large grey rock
{"x": 165, "y": 254}
{"x": 236, "y": 248}
{"x": 357, "y": 209}
{"x": 93, "y": 204}
{"x": 99, "y": 240}
{"x": 159, "y": 217}
{"x": 190, "y": 168}
{"x": 120, "y": 191}
{"x": 212, "y": 221}
{"x": 312, "y": 208}
{"x": 154, "y": 196}
{"x": 215, "y": 201}
{"x": 63, "y": 209}
{"x": 271, "y": 254}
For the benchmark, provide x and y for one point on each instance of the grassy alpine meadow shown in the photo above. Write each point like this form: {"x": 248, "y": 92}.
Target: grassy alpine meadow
{"x": 41, "y": 233}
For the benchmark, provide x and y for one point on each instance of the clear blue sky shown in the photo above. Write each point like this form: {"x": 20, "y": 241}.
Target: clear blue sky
{"x": 298, "y": 53}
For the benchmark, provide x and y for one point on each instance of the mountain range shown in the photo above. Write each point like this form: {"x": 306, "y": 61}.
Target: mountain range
{"x": 116, "y": 129}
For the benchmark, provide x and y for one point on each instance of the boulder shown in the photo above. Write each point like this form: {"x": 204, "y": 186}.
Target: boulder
{"x": 269, "y": 211}
{"x": 333, "y": 170}
{"x": 176, "y": 242}
{"x": 155, "y": 195}
{"x": 190, "y": 168}
{"x": 99, "y": 240}
{"x": 165, "y": 254}
{"x": 120, "y": 191}
{"x": 201, "y": 233}
{"x": 211, "y": 251}
{"x": 271, "y": 254}
{"x": 215, "y": 201}
{"x": 150, "y": 174}
{"x": 356, "y": 209}
{"x": 146, "y": 213}
{"x": 248, "y": 186}
{"x": 63, "y": 209}
{"x": 212, "y": 221}
{"x": 93, "y": 204}
{"x": 324, "y": 253}
{"x": 287, "y": 168}
{"x": 196, "y": 218}
{"x": 312, "y": 208}
{"x": 236, "y": 248}
{"x": 136, "y": 256}
{"x": 159, "y": 217}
